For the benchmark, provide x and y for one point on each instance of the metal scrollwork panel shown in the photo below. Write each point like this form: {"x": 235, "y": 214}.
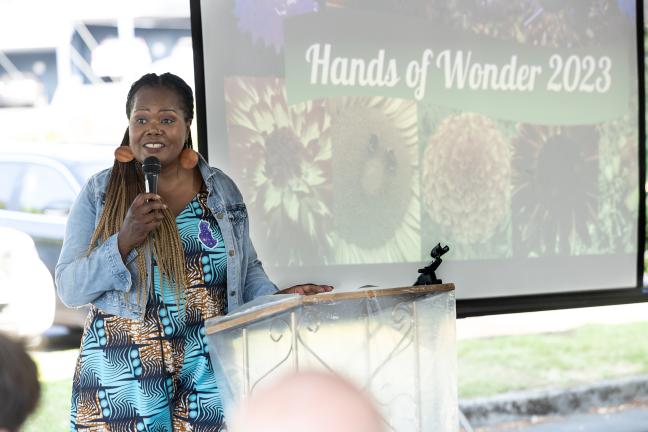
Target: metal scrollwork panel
{"x": 279, "y": 330}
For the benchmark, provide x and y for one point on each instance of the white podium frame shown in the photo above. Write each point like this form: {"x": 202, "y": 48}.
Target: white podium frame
{"x": 410, "y": 330}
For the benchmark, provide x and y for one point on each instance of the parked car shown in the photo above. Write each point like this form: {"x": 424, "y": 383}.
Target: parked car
{"x": 27, "y": 298}
{"x": 23, "y": 91}
{"x": 38, "y": 184}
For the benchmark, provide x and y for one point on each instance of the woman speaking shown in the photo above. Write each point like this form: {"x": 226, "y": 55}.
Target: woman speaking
{"x": 154, "y": 266}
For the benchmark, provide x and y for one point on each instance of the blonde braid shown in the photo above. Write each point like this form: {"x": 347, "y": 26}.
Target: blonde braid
{"x": 171, "y": 265}
{"x": 125, "y": 183}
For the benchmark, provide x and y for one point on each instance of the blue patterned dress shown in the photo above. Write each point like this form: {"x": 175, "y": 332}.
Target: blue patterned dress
{"x": 156, "y": 375}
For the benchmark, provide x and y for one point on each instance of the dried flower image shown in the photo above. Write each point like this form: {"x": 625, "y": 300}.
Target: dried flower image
{"x": 498, "y": 19}
{"x": 553, "y": 23}
{"x": 283, "y": 155}
{"x": 264, "y": 20}
{"x": 375, "y": 181}
{"x": 556, "y": 189}
{"x": 547, "y": 23}
{"x": 466, "y": 182}
{"x": 405, "y": 7}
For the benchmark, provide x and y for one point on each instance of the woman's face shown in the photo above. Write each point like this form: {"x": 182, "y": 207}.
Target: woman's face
{"x": 157, "y": 126}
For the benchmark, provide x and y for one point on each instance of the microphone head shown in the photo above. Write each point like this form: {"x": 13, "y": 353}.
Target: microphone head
{"x": 151, "y": 165}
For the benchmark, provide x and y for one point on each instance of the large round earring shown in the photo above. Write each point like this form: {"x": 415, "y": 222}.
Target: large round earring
{"x": 188, "y": 158}
{"x": 124, "y": 154}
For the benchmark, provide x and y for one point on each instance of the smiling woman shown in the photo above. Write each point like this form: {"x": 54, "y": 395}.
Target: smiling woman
{"x": 154, "y": 266}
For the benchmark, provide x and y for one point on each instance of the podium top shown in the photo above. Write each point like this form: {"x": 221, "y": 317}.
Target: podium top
{"x": 292, "y": 301}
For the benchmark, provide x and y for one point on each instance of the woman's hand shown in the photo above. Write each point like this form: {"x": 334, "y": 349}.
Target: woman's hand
{"x": 306, "y": 289}
{"x": 142, "y": 218}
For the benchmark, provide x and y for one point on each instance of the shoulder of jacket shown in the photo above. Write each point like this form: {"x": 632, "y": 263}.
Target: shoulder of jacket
{"x": 216, "y": 171}
{"x": 224, "y": 183}
{"x": 99, "y": 182}
{"x": 220, "y": 176}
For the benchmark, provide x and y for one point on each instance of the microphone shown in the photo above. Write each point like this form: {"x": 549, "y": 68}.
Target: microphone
{"x": 151, "y": 168}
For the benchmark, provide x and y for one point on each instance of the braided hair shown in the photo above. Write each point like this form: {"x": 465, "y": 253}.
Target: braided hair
{"x": 127, "y": 181}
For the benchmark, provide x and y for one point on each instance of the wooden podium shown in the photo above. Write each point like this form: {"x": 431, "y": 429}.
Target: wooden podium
{"x": 396, "y": 343}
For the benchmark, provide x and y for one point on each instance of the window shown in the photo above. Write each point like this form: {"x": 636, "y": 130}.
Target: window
{"x": 10, "y": 178}
{"x": 45, "y": 190}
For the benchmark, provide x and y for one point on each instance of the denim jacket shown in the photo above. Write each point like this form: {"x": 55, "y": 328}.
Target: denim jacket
{"x": 103, "y": 279}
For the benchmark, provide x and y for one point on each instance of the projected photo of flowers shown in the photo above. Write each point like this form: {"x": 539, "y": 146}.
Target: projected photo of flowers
{"x": 591, "y": 213}
{"x": 466, "y": 184}
{"x": 616, "y": 227}
{"x": 283, "y": 156}
{"x": 364, "y": 132}
{"x": 410, "y": 7}
{"x": 552, "y": 216}
{"x": 263, "y": 20}
{"x": 375, "y": 179}
{"x": 546, "y": 23}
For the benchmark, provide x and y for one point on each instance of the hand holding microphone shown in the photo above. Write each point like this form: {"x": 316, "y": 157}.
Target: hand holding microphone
{"x": 142, "y": 216}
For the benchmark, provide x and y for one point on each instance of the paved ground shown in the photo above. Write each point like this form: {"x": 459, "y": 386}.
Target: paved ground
{"x": 620, "y": 400}
{"x": 617, "y": 419}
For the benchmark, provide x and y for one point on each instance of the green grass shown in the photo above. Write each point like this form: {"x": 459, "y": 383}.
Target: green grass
{"x": 486, "y": 366}
{"x": 585, "y": 355}
{"x": 53, "y": 413}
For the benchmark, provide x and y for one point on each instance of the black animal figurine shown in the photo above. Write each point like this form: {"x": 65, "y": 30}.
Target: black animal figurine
{"x": 427, "y": 276}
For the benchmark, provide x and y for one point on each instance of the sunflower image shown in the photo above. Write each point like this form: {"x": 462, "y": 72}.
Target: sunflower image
{"x": 375, "y": 181}
{"x": 282, "y": 155}
{"x": 264, "y": 20}
{"x": 556, "y": 185}
{"x": 466, "y": 181}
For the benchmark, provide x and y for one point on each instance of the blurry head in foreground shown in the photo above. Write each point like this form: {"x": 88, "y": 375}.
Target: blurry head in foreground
{"x": 19, "y": 387}
{"x": 309, "y": 401}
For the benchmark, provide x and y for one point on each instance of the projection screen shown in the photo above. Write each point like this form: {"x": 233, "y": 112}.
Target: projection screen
{"x": 362, "y": 133}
